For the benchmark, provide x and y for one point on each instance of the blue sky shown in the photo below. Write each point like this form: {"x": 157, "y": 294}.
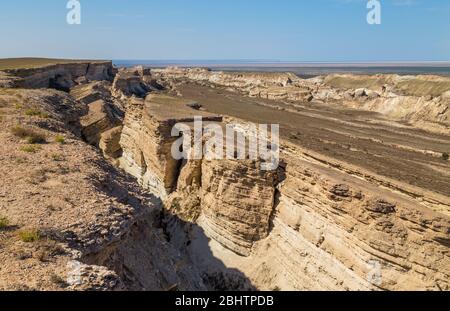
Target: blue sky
{"x": 286, "y": 30}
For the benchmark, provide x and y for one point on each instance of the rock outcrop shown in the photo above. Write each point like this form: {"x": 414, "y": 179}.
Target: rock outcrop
{"x": 59, "y": 76}
{"x": 237, "y": 202}
{"x": 419, "y": 100}
{"x": 318, "y": 224}
{"x": 134, "y": 81}
{"x": 147, "y": 141}
{"x": 99, "y": 119}
{"x": 110, "y": 142}
{"x": 90, "y": 226}
{"x": 352, "y": 234}
{"x": 162, "y": 223}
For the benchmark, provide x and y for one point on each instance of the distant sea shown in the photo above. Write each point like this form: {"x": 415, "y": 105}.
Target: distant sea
{"x": 302, "y": 69}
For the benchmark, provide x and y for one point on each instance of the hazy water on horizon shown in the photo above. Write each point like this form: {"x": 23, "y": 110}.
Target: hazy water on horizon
{"x": 301, "y": 69}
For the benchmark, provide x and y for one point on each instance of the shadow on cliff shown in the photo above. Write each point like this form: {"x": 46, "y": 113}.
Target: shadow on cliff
{"x": 188, "y": 239}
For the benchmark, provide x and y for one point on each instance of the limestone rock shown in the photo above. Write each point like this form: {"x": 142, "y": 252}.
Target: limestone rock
{"x": 61, "y": 75}
{"x": 446, "y": 95}
{"x": 237, "y": 202}
{"x": 91, "y": 92}
{"x": 134, "y": 81}
{"x": 110, "y": 142}
{"x": 98, "y": 120}
{"x": 128, "y": 84}
{"x": 149, "y": 157}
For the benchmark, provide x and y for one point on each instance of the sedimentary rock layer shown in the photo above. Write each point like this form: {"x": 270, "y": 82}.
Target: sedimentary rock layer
{"x": 60, "y": 76}
{"x": 421, "y": 100}
{"x": 317, "y": 222}
{"x": 324, "y": 225}
{"x": 146, "y": 140}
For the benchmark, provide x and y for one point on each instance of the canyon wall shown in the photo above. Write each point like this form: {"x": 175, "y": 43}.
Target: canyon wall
{"x": 334, "y": 230}
{"x": 315, "y": 223}
{"x": 422, "y": 101}
{"x": 59, "y": 76}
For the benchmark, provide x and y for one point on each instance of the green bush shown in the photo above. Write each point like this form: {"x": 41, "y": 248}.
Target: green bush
{"x": 32, "y": 112}
{"x": 4, "y": 223}
{"x": 60, "y": 139}
{"x": 29, "y": 149}
{"x": 36, "y": 113}
{"x": 445, "y": 156}
{"x": 29, "y": 236}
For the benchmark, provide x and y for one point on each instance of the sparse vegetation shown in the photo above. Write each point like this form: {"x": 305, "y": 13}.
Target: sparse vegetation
{"x": 32, "y": 112}
{"x": 30, "y": 135}
{"x": 445, "y": 156}
{"x": 4, "y": 223}
{"x": 20, "y": 131}
{"x": 57, "y": 157}
{"x": 29, "y": 149}
{"x": 175, "y": 205}
{"x": 60, "y": 139}
{"x": 29, "y": 236}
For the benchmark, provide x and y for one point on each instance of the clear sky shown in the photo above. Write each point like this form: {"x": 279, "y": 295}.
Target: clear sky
{"x": 286, "y": 30}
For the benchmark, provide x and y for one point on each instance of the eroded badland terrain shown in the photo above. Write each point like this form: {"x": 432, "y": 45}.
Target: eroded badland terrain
{"x": 91, "y": 198}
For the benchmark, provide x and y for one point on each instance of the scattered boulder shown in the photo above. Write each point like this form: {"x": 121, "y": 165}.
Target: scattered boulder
{"x": 360, "y": 93}
{"x": 195, "y": 106}
{"x": 341, "y": 191}
{"x": 381, "y": 206}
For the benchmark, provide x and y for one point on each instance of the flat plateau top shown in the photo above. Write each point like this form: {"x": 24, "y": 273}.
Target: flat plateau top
{"x": 363, "y": 139}
{"x": 163, "y": 107}
{"x": 28, "y": 63}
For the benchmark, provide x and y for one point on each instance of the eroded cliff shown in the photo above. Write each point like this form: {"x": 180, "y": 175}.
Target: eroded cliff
{"x": 131, "y": 216}
{"x": 422, "y": 101}
{"x": 318, "y": 224}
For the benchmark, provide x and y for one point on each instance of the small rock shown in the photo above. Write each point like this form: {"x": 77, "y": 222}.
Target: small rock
{"x": 381, "y": 206}
{"x": 341, "y": 190}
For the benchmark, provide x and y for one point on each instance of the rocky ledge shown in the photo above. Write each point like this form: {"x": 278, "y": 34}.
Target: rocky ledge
{"x": 92, "y": 200}
{"x": 422, "y": 101}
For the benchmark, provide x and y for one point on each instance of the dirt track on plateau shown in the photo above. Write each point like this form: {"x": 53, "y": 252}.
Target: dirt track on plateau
{"x": 365, "y": 139}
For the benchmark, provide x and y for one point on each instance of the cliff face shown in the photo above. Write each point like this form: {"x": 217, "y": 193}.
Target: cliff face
{"x": 91, "y": 226}
{"x": 345, "y": 232}
{"x": 59, "y": 76}
{"x": 146, "y": 140}
{"x": 314, "y": 224}
{"x": 422, "y": 101}
{"x": 237, "y": 202}
{"x": 144, "y": 220}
